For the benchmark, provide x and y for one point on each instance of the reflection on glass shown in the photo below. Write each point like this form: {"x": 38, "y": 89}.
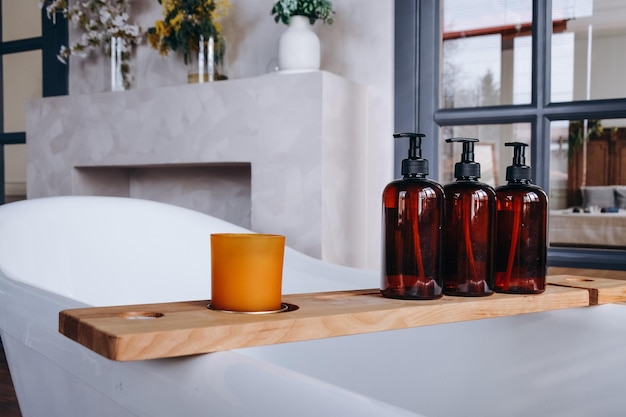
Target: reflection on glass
{"x": 588, "y": 57}
{"x": 583, "y": 153}
{"x": 490, "y": 151}
{"x": 588, "y": 183}
{"x": 486, "y": 57}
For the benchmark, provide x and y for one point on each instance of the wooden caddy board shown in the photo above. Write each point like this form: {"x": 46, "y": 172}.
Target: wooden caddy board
{"x": 601, "y": 290}
{"x": 151, "y": 331}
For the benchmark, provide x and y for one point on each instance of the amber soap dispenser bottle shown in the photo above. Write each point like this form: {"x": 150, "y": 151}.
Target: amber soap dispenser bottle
{"x": 469, "y": 232}
{"x": 412, "y": 230}
{"x": 521, "y": 244}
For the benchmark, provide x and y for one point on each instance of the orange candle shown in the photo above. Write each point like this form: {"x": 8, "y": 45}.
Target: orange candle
{"x": 246, "y": 271}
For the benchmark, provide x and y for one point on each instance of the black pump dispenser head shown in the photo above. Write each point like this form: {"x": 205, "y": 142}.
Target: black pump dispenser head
{"x": 414, "y": 164}
{"x": 467, "y": 168}
{"x": 519, "y": 171}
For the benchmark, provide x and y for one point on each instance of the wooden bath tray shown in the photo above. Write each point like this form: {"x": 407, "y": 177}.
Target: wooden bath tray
{"x": 150, "y": 331}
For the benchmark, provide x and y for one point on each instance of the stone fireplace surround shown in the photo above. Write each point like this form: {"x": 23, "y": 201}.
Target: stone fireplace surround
{"x": 280, "y": 153}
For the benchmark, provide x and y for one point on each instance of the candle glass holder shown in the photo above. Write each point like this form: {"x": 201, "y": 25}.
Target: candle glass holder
{"x": 246, "y": 272}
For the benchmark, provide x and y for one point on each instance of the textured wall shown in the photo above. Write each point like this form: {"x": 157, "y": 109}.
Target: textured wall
{"x": 358, "y": 46}
{"x": 270, "y": 153}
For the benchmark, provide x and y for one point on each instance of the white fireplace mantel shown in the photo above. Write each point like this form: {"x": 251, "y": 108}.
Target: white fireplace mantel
{"x": 280, "y": 153}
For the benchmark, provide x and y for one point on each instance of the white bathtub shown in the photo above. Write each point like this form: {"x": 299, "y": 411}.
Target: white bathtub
{"x": 65, "y": 252}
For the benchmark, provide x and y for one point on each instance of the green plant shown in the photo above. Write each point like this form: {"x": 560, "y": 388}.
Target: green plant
{"x": 184, "y": 21}
{"x": 313, "y": 9}
{"x": 576, "y": 137}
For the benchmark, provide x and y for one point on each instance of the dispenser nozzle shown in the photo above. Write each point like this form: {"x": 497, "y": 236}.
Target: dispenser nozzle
{"x": 518, "y": 171}
{"x": 467, "y": 168}
{"x": 519, "y": 149}
{"x": 415, "y": 143}
{"x": 468, "y": 148}
{"x": 414, "y": 164}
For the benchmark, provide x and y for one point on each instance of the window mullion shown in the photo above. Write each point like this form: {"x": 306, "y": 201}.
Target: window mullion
{"x": 55, "y": 73}
{"x": 541, "y": 49}
{"x": 428, "y": 76}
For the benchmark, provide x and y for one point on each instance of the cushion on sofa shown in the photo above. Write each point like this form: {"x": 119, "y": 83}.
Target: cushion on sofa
{"x": 620, "y": 196}
{"x": 599, "y": 196}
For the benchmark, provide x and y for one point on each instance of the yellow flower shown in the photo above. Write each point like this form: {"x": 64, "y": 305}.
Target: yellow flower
{"x": 177, "y": 21}
{"x": 165, "y": 35}
{"x": 168, "y": 6}
{"x": 154, "y": 40}
{"x": 162, "y": 29}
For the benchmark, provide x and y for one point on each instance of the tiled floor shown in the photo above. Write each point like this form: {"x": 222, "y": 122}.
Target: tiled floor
{"x": 8, "y": 401}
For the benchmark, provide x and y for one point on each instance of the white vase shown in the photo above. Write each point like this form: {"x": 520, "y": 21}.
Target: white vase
{"x": 299, "y": 46}
{"x": 121, "y": 63}
{"x": 117, "y": 77}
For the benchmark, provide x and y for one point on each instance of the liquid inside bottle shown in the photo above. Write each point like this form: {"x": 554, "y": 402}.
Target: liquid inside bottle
{"x": 469, "y": 235}
{"x": 412, "y": 217}
{"x": 521, "y": 245}
{"x": 468, "y": 239}
{"x": 412, "y": 230}
{"x": 520, "y": 248}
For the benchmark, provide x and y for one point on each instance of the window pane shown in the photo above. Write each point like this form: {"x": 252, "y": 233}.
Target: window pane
{"x": 486, "y": 56}
{"x": 490, "y": 151}
{"x": 587, "y": 50}
{"x": 20, "y": 19}
{"x": 588, "y": 183}
{"x": 22, "y": 81}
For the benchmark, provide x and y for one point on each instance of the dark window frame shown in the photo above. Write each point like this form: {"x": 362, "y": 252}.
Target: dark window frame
{"x": 417, "y": 48}
{"x": 54, "y": 33}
